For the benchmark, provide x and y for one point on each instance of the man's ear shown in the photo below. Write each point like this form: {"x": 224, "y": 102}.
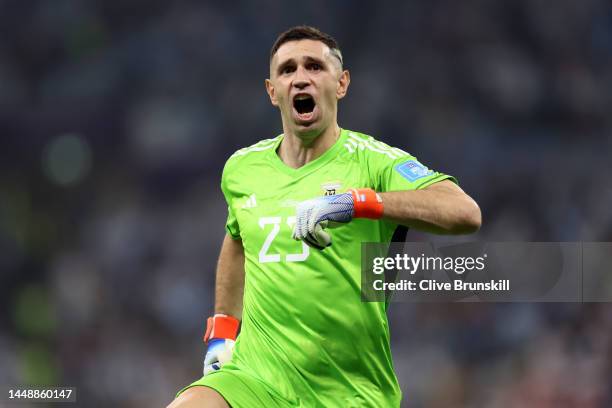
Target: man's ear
{"x": 343, "y": 84}
{"x": 271, "y": 92}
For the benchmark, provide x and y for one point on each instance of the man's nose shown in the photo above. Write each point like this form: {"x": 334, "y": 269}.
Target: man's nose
{"x": 301, "y": 79}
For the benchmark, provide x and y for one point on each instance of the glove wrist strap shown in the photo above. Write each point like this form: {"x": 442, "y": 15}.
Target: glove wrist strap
{"x": 221, "y": 326}
{"x": 366, "y": 203}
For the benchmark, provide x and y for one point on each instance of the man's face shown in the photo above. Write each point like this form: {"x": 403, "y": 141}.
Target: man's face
{"x": 306, "y": 82}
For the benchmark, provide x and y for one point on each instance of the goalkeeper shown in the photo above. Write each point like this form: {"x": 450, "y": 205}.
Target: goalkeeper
{"x": 290, "y": 280}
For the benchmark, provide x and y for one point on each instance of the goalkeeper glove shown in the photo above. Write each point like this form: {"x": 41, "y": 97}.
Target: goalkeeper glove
{"x": 220, "y": 336}
{"x": 313, "y": 216}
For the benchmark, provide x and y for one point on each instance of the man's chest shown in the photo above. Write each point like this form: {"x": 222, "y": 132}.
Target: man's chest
{"x": 265, "y": 206}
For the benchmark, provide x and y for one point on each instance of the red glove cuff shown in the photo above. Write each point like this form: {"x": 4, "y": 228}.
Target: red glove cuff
{"x": 366, "y": 203}
{"x": 221, "y": 326}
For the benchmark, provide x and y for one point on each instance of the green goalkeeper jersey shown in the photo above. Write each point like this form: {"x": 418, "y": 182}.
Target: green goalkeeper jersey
{"x": 306, "y": 333}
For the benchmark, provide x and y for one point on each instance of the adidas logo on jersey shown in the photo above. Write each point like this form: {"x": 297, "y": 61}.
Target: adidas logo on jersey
{"x": 251, "y": 202}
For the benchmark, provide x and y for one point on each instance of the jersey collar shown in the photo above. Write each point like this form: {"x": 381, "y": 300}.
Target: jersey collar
{"x": 326, "y": 157}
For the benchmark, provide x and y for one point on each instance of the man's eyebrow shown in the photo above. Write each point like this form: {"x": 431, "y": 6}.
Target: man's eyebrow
{"x": 284, "y": 64}
{"x": 314, "y": 59}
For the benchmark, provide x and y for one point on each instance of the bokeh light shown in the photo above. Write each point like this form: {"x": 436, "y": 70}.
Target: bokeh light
{"x": 67, "y": 160}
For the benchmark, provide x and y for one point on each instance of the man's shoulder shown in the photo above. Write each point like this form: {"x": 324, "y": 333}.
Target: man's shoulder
{"x": 256, "y": 151}
{"x": 367, "y": 147}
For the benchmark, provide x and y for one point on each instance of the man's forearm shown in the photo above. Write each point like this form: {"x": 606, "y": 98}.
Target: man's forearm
{"x": 441, "y": 208}
{"x": 229, "y": 285}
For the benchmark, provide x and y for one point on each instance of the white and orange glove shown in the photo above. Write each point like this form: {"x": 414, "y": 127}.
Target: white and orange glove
{"x": 313, "y": 216}
{"x": 220, "y": 336}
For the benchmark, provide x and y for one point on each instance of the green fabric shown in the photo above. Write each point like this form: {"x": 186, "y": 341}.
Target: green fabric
{"x": 306, "y": 335}
{"x": 239, "y": 389}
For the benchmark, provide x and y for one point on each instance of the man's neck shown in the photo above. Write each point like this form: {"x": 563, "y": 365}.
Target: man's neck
{"x": 295, "y": 152}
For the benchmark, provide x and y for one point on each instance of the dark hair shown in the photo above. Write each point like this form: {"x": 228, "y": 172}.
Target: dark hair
{"x": 304, "y": 32}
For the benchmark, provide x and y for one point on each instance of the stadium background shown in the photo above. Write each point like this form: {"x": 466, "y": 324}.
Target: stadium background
{"x": 116, "y": 118}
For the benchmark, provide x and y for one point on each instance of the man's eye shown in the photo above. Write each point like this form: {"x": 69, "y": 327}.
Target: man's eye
{"x": 315, "y": 67}
{"x": 287, "y": 70}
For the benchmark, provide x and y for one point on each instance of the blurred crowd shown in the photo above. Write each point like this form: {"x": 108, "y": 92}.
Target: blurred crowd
{"x": 116, "y": 118}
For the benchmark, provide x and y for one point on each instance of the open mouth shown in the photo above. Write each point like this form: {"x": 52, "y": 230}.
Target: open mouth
{"x": 304, "y": 104}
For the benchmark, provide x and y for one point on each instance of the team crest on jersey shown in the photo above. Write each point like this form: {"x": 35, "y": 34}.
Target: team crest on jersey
{"x": 331, "y": 187}
{"x": 412, "y": 170}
